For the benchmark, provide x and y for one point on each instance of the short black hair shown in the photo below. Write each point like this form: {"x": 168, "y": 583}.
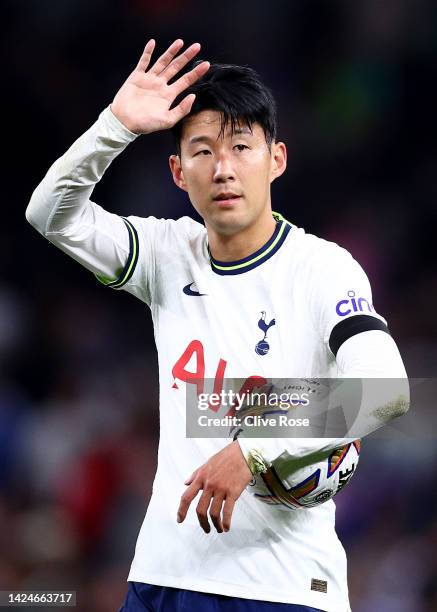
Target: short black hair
{"x": 238, "y": 94}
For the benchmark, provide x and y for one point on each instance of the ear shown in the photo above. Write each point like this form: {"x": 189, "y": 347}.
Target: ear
{"x": 176, "y": 171}
{"x": 279, "y": 160}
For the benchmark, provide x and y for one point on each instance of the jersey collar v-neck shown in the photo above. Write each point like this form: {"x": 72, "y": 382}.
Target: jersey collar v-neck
{"x": 260, "y": 256}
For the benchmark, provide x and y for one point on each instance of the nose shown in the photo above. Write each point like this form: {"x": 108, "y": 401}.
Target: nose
{"x": 223, "y": 170}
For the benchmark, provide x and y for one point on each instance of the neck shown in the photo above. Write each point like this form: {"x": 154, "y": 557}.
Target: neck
{"x": 244, "y": 242}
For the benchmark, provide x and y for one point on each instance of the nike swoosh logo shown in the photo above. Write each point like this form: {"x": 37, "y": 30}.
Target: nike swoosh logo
{"x": 188, "y": 291}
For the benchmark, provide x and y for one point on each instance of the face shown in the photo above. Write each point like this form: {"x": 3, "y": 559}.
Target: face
{"x": 227, "y": 177}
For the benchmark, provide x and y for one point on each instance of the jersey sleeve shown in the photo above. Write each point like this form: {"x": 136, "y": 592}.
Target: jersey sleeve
{"x": 138, "y": 274}
{"x": 341, "y": 299}
{"x": 121, "y": 252}
{"x": 366, "y": 356}
{"x": 61, "y": 209}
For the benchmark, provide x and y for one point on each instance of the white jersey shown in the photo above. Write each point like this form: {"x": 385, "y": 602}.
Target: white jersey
{"x": 269, "y": 315}
{"x": 206, "y": 316}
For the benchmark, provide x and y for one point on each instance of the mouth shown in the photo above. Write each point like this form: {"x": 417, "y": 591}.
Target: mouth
{"x": 226, "y": 199}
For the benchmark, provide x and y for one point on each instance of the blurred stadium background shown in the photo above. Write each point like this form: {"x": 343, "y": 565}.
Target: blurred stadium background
{"x": 355, "y": 84}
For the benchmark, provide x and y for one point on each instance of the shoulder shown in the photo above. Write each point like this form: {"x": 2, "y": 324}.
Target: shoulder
{"x": 316, "y": 255}
{"x": 184, "y": 228}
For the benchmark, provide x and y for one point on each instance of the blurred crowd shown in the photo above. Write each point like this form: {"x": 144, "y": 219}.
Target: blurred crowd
{"x": 355, "y": 85}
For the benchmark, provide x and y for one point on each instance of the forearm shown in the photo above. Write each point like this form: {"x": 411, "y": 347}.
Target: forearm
{"x": 367, "y": 356}
{"x": 374, "y": 358}
{"x": 60, "y": 208}
{"x": 62, "y": 196}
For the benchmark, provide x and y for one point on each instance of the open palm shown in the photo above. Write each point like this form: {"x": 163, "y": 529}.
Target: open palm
{"x": 143, "y": 102}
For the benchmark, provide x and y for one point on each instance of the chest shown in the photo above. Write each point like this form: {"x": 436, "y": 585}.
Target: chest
{"x": 256, "y": 323}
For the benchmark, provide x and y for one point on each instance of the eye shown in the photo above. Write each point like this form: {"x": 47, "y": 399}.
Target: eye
{"x": 241, "y": 147}
{"x": 202, "y": 152}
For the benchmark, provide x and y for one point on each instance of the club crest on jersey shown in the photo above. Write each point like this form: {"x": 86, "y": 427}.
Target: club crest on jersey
{"x": 263, "y": 347}
{"x": 353, "y": 304}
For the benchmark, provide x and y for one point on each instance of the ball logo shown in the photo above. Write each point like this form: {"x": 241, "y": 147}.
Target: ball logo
{"x": 263, "y": 347}
{"x": 323, "y": 496}
{"x": 345, "y": 476}
{"x": 353, "y": 304}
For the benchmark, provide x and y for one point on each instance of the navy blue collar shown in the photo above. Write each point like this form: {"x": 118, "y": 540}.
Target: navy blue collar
{"x": 260, "y": 256}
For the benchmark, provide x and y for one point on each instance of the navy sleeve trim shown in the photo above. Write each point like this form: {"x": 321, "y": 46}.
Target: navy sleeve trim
{"x": 131, "y": 262}
{"x": 353, "y": 326}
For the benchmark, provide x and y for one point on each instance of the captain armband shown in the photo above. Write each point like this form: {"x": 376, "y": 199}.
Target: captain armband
{"x": 351, "y": 327}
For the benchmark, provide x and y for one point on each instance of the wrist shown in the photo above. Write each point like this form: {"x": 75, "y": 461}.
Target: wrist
{"x": 254, "y": 458}
{"x": 121, "y": 124}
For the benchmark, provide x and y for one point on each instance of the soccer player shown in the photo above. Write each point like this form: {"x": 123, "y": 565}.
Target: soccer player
{"x": 246, "y": 295}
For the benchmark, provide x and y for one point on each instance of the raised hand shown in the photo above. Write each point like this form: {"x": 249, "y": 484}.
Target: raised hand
{"x": 143, "y": 102}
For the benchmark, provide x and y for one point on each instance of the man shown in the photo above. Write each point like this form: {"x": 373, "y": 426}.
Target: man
{"x": 206, "y": 287}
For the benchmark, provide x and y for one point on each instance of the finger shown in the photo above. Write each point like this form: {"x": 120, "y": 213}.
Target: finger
{"x": 146, "y": 55}
{"x": 189, "y": 78}
{"x": 182, "y": 109}
{"x": 228, "y": 508}
{"x": 182, "y": 60}
{"x": 186, "y": 500}
{"x": 189, "y": 480}
{"x": 202, "y": 510}
{"x": 215, "y": 512}
{"x": 163, "y": 61}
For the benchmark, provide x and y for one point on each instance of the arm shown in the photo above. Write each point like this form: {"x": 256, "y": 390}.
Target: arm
{"x": 367, "y": 356}
{"x": 362, "y": 347}
{"x": 60, "y": 208}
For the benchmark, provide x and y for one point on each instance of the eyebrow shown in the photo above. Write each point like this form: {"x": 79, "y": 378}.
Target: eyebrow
{"x": 236, "y": 132}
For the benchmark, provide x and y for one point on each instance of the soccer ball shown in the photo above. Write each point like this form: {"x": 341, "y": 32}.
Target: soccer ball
{"x": 288, "y": 488}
